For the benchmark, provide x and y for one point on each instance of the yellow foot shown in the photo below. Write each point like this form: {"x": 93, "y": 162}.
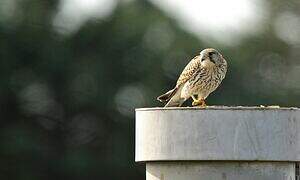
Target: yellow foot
{"x": 195, "y": 103}
{"x": 200, "y": 103}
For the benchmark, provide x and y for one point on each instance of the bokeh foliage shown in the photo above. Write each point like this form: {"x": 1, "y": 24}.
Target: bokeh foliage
{"x": 67, "y": 102}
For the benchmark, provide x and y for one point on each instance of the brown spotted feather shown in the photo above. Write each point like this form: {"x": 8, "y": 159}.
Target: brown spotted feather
{"x": 189, "y": 71}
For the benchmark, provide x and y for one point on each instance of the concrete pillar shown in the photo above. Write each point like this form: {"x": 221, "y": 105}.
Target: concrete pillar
{"x": 218, "y": 143}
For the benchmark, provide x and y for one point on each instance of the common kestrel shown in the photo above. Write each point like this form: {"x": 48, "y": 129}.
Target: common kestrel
{"x": 203, "y": 74}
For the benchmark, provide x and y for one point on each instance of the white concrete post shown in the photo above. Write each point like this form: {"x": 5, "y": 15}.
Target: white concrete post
{"x": 218, "y": 143}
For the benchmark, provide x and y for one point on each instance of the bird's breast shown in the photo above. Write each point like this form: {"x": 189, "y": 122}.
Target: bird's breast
{"x": 206, "y": 81}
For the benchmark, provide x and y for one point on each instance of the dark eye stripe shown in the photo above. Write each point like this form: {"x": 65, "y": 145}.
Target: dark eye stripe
{"x": 211, "y": 53}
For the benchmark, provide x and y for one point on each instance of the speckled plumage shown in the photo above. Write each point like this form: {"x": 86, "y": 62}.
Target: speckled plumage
{"x": 202, "y": 75}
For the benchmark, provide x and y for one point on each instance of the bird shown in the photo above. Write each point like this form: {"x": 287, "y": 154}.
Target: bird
{"x": 201, "y": 76}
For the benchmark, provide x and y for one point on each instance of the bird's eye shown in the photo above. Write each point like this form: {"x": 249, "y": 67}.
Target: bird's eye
{"x": 211, "y": 53}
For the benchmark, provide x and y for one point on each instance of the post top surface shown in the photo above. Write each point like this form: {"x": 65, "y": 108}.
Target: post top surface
{"x": 218, "y": 133}
{"x": 258, "y": 108}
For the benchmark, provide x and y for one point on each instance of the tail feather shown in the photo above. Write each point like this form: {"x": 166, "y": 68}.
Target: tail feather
{"x": 174, "y": 102}
{"x": 172, "y": 98}
{"x": 167, "y": 96}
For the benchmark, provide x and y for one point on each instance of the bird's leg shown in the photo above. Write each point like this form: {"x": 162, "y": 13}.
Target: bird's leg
{"x": 194, "y": 98}
{"x": 196, "y": 102}
{"x": 200, "y": 103}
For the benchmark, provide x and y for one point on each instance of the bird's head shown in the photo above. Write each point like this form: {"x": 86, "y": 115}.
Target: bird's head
{"x": 210, "y": 57}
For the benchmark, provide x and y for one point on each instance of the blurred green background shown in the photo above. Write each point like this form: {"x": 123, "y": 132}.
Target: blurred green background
{"x": 73, "y": 71}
